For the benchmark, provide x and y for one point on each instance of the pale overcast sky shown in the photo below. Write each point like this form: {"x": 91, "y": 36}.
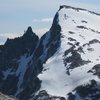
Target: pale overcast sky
{"x": 17, "y": 15}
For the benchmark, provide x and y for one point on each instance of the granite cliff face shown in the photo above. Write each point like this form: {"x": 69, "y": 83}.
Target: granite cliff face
{"x": 64, "y": 64}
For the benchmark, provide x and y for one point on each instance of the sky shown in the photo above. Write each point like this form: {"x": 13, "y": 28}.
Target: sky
{"x": 17, "y": 15}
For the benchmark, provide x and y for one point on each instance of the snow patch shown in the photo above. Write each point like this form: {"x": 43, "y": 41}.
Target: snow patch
{"x": 23, "y": 62}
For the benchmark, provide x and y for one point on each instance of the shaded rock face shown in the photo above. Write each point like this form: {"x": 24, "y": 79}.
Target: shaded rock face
{"x": 95, "y": 70}
{"x": 15, "y": 55}
{"x": 47, "y": 46}
{"x": 23, "y": 59}
{"x": 74, "y": 60}
{"x": 89, "y": 91}
{"x": 14, "y": 48}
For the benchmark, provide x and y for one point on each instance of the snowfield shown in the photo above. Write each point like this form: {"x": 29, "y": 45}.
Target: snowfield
{"x": 83, "y": 27}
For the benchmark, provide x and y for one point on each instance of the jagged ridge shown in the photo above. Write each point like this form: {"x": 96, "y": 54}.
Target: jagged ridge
{"x": 59, "y": 65}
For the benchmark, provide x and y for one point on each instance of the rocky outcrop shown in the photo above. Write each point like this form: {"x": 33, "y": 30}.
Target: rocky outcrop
{"x": 15, "y": 55}
{"x": 25, "y": 57}
{"x": 5, "y": 97}
{"x": 43, "y": 51}
{"x": 14, "y": 48}
{"x": 27, "y": 62}
{"x": 87, "y": 91}
{"x": 45, "y": 96}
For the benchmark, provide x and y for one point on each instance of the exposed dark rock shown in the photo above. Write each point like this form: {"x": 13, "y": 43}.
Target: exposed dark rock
{"x": 75, "y": 59}
{"x": 14, "y": 48}
{"x": 71, "y": 96}
{"x": 9, "y": 86}
{"x": 45, "y": 96}
{"x": 43, "y": 51}
{"x": 83, "y": 21}
{"x": 90, "y": 49}
{"x": 82, "y": 27}
{"x": 29, "y": 89}
{"x": 78, "y": 9}
{"x": 71, "y": 39}
{"x": 40, "y": 51}
{"x": 94, "y": 41}
{"x": 91, "y": 90}
{"x": 10, "y": 53}
{"x": 95, "y": 70}
{"x": 71, "y": 32}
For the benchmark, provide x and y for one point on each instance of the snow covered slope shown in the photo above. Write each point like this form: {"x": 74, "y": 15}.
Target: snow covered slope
{"x": 64, "y": 64}
{"x": 73, "y": 65}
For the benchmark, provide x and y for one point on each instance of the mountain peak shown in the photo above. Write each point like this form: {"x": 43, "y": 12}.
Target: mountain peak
{"x": 63, "y": 64}
{"x": 77, "y": 9}
{"x": 29, "y": 31}
{"x": 70, "y": 7}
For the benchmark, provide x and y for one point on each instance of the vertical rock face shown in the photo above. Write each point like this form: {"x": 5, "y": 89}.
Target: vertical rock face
{"x": 27, "y": 56}
{"x": 46, "y": 48}
{"x": 15, "y": 55}
{"x": 62, "y": 65}
{"x": 14, "y": 48}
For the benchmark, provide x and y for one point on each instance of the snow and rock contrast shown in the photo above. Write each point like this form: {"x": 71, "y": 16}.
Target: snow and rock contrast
{"x": 63, "y": 65}
{"x": 6, "y": 97}
{"x": 72, "y": 66}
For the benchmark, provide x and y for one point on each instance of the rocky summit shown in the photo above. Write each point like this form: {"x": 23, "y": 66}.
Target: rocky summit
{"x": 64, "y": 64}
